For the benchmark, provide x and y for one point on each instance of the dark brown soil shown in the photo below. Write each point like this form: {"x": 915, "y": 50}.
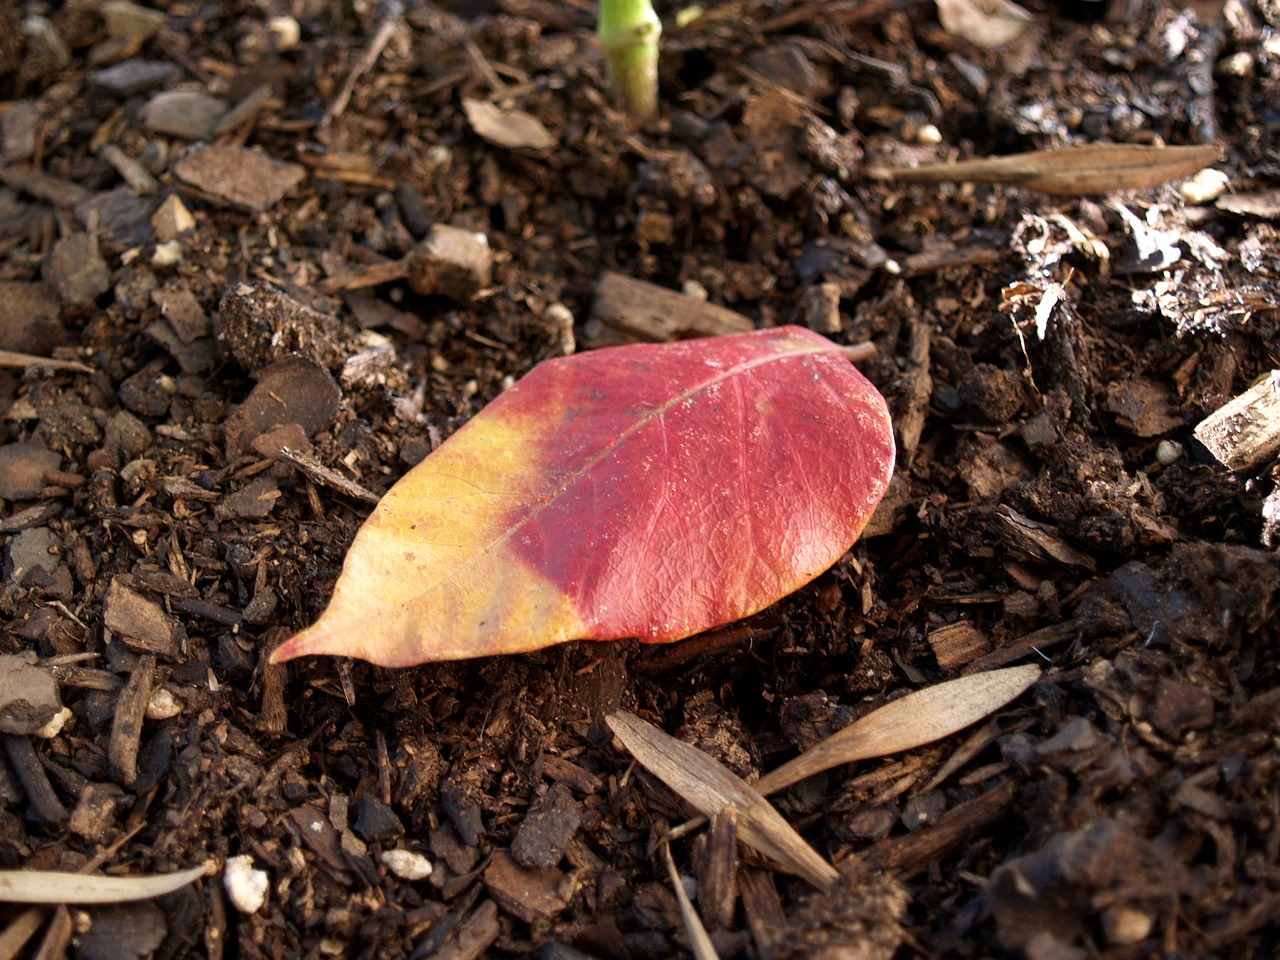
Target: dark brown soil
{"x": 1051, "y": 504}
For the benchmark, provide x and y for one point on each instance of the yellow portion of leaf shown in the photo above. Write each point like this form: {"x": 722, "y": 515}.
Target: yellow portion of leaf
{"x": 446, "y": 599}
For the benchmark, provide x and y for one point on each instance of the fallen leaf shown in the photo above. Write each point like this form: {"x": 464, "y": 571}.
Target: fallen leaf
{"x": 918, "y": 718}
{"x": 711, "y": 787}
{"x": 1074, "y": 171}
{"x": 52, "y": 886}
{"x": 513, "y": 129}
{"x": 650, "y": 491}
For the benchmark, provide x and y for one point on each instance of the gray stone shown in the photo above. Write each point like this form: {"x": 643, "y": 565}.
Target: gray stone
{"x": 121, "y": 218}
{"x": 76, "y": 270}
{"x": 132, "y": 77}
{"x": 124, "y": 19}
{"x": 34, "y": 549}
{"x": 190, "y": 114}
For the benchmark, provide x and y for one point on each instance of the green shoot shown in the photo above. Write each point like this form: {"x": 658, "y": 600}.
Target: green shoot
{"x": 629, "y": 32}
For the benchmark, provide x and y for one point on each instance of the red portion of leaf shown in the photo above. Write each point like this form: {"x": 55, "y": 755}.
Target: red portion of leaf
{"x": 652, "y": 491}
{"x": 708, "y": 479}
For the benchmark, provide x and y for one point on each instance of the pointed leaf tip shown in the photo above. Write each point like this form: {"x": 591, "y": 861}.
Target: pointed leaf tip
{"x": 651, "y": 491}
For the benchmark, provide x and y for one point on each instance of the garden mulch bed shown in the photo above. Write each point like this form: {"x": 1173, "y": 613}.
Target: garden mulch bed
{"x": 220, "y": 247}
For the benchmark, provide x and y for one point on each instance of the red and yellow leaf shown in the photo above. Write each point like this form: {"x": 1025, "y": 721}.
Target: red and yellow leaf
{"x": 650, "y": 491}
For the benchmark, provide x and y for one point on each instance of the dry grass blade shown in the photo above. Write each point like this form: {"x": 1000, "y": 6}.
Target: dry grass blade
{"x": 916, "y": 719}
{"x": 1074, "y": 171}
{"x": 710, "y": 787}
{"x": 11, "y": 358}
{"x": 54, "y": 887}
{"x": 699, "y": 940}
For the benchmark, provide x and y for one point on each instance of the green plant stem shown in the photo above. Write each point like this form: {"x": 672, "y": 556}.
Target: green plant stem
{"x": 629, "y": 32}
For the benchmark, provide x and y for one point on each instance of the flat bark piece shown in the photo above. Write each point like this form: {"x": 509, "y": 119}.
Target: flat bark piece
{"x": 293, "y": 390}
{"x": 139, "y": 622}
{"x": 129, "y": 931}
{"x": 644, "y": 311}
{"x": 28, "y": 694}
{"x": 126, "y": 725}
{"x": 956, "y": 644}
{"x": 717, "y": 875}
{"x": 183, "y": 311}
{"x": 911, "y": 853}
{"x": 1245, "y": 431}
{"x": 528, "y": 893}
{"x": 75, "y": 269}
{"x": 30, "y": 318}
{"x": 513, "y": 129}
{"x": 242, "y": 177}
{"x": 44, "y": 186}
{"x": 474, "y": 937}
{"x": 1144, "y": 407}
{"x": 1073, "y": 171}
{"x": 547, "y": 828}
{"x": 1037, "y": 541}
{"x": 710, "y": 787}
{"x": 1264, "y": 205}
{"x": 570, "y": 774}
{"x": 254, "y": 501}
{"x": 23, "y": 467}
{"x": 763, "y": 908}
{"x": 261, "y": 324}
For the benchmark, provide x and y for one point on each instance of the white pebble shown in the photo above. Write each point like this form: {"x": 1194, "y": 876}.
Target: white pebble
{"x": 928, "y": 134}
{"x": 406, "y": 864}
{"x": 1206, "y": 186}
{"x": 163, "y": 705}
{"x": 246, "y": 885}
{"x": 1168, "y": 451}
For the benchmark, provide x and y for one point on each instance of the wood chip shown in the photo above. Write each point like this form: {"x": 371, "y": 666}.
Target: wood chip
{"x": 53, "y": 887}
{"x": 1245, "y": 431}
{"x": 321, "y": 474}
{"x": 1073, "y": 171}
{"x": 238, "y": 176}
{"x": 644, "y": 311}
{"x": 699, "y": 941}
{"x": 763, "y": 909}
{"x": 529, "y": 893}
{"x": 711, "y": 787}
{"x": 513, "y": 129}
{"x": 126, "y": 725}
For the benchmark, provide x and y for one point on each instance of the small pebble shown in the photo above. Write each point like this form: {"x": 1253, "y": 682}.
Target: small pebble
{"x": 1168, "y": 452}
{"x": 928, "y": 134}
{"x": 163, "y": 705}
{"x": 1207, "y": 185}
{"x": 245, "y": 884}
{"x": 406, "y": 864}
{"x": 695, "y": 291}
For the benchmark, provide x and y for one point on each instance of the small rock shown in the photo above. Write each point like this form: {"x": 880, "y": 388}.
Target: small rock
{"x": 407, "y": 864}
{"x": 139, "y": 622}
{"x": 375, "y": 821}
{"x": 1180, "y": 707}
{"x": 172, "y": 219}
{"x": 36, "y": 549}
{"x": 180, "y": 307}
{"x": 127, "y": 435}
{"x": 130, "y": 931}
{"x": 786, "y": 65}
{"x": 288, "y": 436}
{"x": 190, "y": 114}
{"x": 548, "y": 827}
{"x": 22, "y": 470}
{"x": 120, "y": 218}
{"x": 260, "y": 324}
{"x": 163, "y": 705}
{"x": 1124, "y": 925}
{"x": 238, "y": 176}
{"x": 454, "y": 262}
{"x": 124, "y": 19}
{"x": 28, "y": 695}
{"x": 95, "y": 812}
{"x": 132, "y": 77}
{"x": 253, "y": 501}
{"x": 76, "y": 270}
{"x": 294, "y": 390}
{"x": 30, "y": 318}
{"x": 18, "y": 131}
{"x": 528, "y": 894}
{"x": 246, "y": 886}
